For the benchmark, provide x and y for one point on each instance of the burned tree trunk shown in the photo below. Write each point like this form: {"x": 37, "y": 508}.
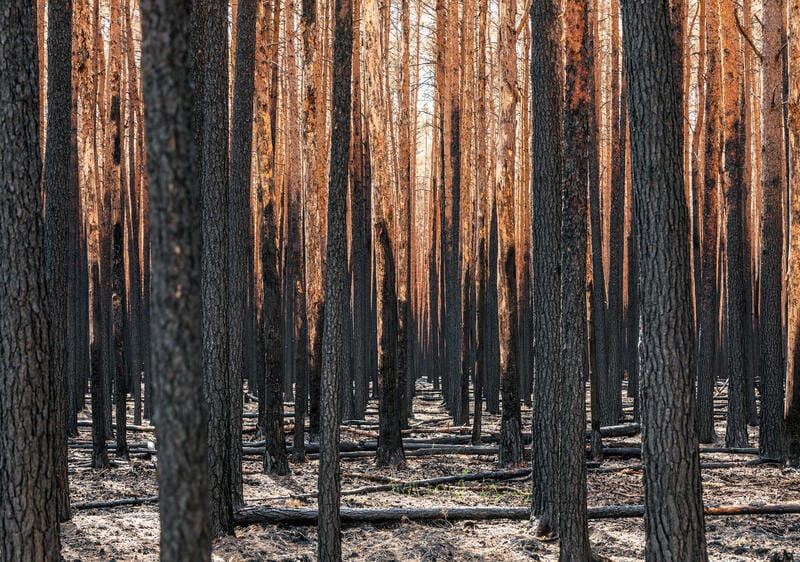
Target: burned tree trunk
{"x": 667, "y": 345}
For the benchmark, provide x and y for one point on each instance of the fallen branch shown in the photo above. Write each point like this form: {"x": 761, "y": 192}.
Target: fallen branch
{"x": 130, "y": 427}
{"x": 302, "y": 516}
{"x": 115, "y": 503}
{"x": 396, "y": 486}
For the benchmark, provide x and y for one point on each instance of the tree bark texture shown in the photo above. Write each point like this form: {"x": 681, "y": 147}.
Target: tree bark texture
{"x": 29, "y": 433}
{"x": 667, "y": 358}
{"x": 546, "y": 153}
{"x": 175, "y": 204}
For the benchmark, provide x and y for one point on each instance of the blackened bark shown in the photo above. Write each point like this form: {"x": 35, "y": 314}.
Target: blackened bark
{"x": 770, "y": 334}
{"x": 546, "y": 87}
{"x": 180, "y": 409}
{"x": 511, "y": 451}
{"x": 215, "y": 181}
{"x": 708, "y": 304}
{"x": 60, "y": 226}
{"x": 390, "y": 443}
{"x": 31, "y": 425}
{"x": 492, "y": 378}
{"x": 633, "y": 322}
{"x": 275, "y": 460}
{"x": 360, "y": 239}
{"x": 240, "y": 242}
{"x": 315, "y": 375}
{"x": 336, "y": 289}
{"x": 296, "y": 337}
{"x": 610, "y": 397}
{"x": 480, "y": 341}
{"x": 120, "y": 312}
{"x": 98, "y": 386}
{"x": 573, "y": 522}
{"x": 735, "y": 358}
{"x": 667, "y": 345}
{"x": 792, "y": 417}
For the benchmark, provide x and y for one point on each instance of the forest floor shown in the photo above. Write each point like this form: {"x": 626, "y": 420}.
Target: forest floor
{"x": 131, "y": 532}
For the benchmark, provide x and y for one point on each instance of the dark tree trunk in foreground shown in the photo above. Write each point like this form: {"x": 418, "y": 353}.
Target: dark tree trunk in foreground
{"x": 573, "y": 523}
{"x": 667, "y": 344}
{"x": 336, "y": 289}
{"x": 175, "y": 204}
{"x": 546, "y": 86}
{"x": 218, "y": 381}
{"x": 30, "y": 425}
{"x": 60, "y": 224}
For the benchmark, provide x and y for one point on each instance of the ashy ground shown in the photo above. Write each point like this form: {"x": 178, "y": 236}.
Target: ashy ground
{"x": 131, "y": 533}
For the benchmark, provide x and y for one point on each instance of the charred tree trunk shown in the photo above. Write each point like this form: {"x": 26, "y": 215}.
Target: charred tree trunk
{"x": 708, "y": 304}
{"x": 60, "y": 227}
{"x": 511, "y": 422}
{"x": 573, "y": 523}
{"x": 181, "y": 414}
{"x": 773, "y": 185}
{"x": 336, "y": 289}
{"x": 667, "y": 344}
{"x": 29, "y": 490}
{"x": 219, "y": 390}
{"x": 733, "y": 183}
{"x": 546, "y": 153}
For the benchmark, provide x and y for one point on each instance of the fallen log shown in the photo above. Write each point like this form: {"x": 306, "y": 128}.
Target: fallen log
{"x": 705, "y": 465}
{"x": 115, "y": 503}
{"x": 399, "y": 486}
{"x": 303, "y": 516}
{"x": 130, "y": 427}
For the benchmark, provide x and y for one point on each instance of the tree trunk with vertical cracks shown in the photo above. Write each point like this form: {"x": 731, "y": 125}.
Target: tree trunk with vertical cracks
{"x": 336, "y": 287}
{"x": 31, "y": 424}
{"x": 181, "y": 416}
{"x": 215, "y": 182}
{"x": 573, "y": 523}
{"x": 667, "y": 345}
{"x": 773, "y": 185}
{"x": 546, "y": 86}
{"x": 733, "y": 182}
{"x": 60, "y": 227}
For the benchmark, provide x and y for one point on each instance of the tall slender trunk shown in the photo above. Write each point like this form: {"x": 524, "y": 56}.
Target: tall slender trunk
{"x": 573, "y": 521}
{"x": 511, "y": 422}
{"x": 60, "y": 226}
{"x": 547, "y": 81}
{"x": 773, "y": 185}
{"x": 733, "y": 183}
{"x": 792, "y": 406}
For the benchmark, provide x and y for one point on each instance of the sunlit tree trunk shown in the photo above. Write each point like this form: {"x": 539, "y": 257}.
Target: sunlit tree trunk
{"x": 511, "y": 423}
{"x": 792, "y": 408}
